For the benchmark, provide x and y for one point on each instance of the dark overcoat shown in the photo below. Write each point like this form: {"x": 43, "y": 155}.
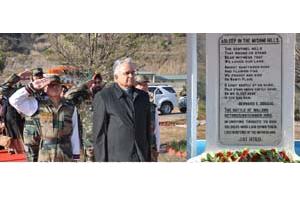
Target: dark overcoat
{"x": 121, "y": 126}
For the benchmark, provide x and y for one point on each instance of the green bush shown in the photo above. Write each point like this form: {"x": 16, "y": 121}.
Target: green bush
{"x": 297, "y": 115}
{"x": 2, "y": 61}
{"x": 178, "y": 145}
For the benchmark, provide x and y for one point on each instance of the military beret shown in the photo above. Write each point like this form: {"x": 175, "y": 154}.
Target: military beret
{"x": 141, "y": 79}
{"x": 53, "y": 78}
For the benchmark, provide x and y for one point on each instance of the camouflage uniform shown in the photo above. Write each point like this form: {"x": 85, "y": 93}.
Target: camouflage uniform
{"x": 59, "y": 141}
{"x": 183, "y": 91}
{"x": 77, "y": 96}
{"x": 10, "y": 85}
{"x": 31, "y": 134}
{"x": 55, "y": 128}
{"x": 141, "y": 80}
{"x": 31, "y": 138}
{"x": 14, "y": 122}
{"x": 2, "y": 112}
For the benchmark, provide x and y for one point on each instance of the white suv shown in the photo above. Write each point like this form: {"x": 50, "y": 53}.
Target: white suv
{"x": 164, "y": 97}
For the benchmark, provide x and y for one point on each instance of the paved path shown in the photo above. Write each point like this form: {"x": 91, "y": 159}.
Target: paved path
{"x": 174, "y": 116}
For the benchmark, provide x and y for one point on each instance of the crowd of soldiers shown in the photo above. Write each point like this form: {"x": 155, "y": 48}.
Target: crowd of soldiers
{"x": 43, "y": 117}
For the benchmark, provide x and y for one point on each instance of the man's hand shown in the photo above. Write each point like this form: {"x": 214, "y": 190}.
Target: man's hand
{"x": 90, "y": 152}
{"x": 40, "y": 83}
{"x": 89, "y": 83}
{"x": 25, "y": 74}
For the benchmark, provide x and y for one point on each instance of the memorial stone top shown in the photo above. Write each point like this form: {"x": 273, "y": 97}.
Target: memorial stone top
{"x": 250, "y": 91}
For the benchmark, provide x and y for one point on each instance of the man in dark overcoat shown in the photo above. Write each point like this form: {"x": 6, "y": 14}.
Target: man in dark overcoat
{"x": 121, "y": 120}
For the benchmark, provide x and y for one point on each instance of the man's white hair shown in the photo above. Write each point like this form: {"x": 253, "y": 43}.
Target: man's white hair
{"x": 118, "y": 63}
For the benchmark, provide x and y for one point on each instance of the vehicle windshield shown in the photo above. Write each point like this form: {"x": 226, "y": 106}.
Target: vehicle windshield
{"x": 152, "y": 89}
{"x": 169, "y": 89}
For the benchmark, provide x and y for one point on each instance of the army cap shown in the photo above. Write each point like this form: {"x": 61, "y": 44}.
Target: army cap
{"x": 53, "y": 78}
{"x": 141, "y": 79}
{"x": 37, "y": 71}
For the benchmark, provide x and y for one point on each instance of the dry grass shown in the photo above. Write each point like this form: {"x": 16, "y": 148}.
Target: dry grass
{"x": 170, "y": 133}
{"x": 297, "y": 130}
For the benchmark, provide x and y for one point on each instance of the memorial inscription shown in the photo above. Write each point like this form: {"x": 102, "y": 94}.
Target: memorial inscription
{"x": 250, "y": 89}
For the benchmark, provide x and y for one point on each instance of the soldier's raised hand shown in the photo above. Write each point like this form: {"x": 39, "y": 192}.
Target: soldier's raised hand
{"x": 25, "y": 74}
{"x": 40, "y": 83}
{"x": 89, "y": 83}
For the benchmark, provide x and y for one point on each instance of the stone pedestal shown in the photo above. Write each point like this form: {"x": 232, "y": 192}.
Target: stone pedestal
{"x": 250, "y": 91}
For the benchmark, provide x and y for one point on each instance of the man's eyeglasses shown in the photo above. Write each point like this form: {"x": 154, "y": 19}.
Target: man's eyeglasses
{"x": 129, "y": 72}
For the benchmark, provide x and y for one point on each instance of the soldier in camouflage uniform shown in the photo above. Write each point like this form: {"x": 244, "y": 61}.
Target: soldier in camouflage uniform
{"x": 2, "y": 112}
{"x": 57, "y": 119}
{"x": 31, "y": 135}
{"x": 14, "y": 122}
{"x": 183, "y": 91}
{"x": 142, "y": 84}
{"x": 78, "y": 97}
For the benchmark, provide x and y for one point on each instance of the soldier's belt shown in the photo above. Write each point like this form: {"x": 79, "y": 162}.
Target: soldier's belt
{"x": 54, "y": 141}
{"x": 29, "y": 122}
{"x": 49, "y": 142}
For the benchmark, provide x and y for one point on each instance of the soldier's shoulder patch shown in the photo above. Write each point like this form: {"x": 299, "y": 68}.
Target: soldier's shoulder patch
{"x": 46, "y": 116}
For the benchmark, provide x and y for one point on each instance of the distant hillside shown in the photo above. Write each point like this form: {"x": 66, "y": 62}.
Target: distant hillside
{"x": 165, "y": 53}
{"x": 24, "y": 51}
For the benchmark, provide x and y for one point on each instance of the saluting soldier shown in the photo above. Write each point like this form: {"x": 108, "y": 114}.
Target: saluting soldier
{"x": 58, "y": 120}
{"x": 77, "y": 96}
{"x": 14, "y": 122}
{"x": 31, "y": 134}
{"x": 2, "y": 113}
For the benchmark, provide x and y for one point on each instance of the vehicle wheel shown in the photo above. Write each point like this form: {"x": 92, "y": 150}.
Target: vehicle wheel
{"x": 183, "y": 110}
{"x": 166, "y": 108}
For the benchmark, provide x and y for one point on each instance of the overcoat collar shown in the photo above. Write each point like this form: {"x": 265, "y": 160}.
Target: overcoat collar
{"x": 126, "y": 105}
{"x": 120, "y": 92}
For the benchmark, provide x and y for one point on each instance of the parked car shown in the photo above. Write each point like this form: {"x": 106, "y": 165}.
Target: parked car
{"x": 182, "y": 104}
{"x": 164, "y": 97}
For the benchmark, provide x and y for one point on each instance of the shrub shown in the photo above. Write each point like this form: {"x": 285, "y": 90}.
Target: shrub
{"x": 2, "y": 61}
{"x": 297, "y": 115}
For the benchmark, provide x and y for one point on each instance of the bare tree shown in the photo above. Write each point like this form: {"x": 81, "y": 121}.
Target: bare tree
{"x": 93, "y": 52}
{"x": 96, "y": 52}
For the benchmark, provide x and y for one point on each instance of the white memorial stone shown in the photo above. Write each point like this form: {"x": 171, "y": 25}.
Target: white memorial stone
{"x": 250, "y": 91}
{"x": 250, "y": 82}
